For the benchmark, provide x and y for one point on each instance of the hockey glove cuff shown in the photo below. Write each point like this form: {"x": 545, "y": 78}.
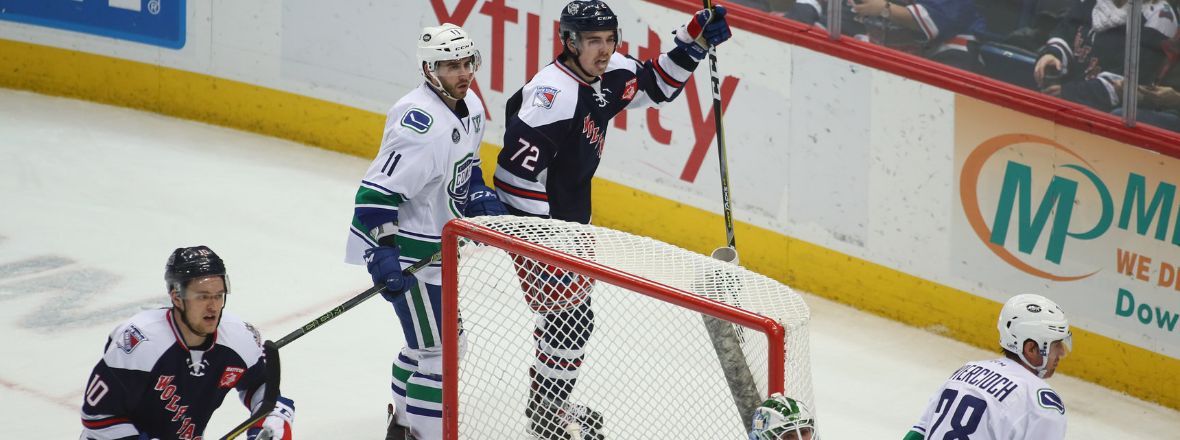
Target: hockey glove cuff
{"x": 706, "y": 29}
{"x": 483, "y": 201}
{"x": 386, "y": 269}
{"x": 276, "y": 426}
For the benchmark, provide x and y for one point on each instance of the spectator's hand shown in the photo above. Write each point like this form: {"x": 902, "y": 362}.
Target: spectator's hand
{"x": 1047, "y": 64}
{"x": 1161, "y": 97}
{"x": 868, "y": 8}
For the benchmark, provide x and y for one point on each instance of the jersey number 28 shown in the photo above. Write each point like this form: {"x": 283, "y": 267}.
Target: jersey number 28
{"x": 967, "y": 413}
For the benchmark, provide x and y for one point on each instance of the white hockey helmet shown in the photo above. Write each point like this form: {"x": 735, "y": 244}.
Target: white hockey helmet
{"x": 443, "y": 43}
{"x": 780, "y": 416}
{"x": 1031, "y": 316}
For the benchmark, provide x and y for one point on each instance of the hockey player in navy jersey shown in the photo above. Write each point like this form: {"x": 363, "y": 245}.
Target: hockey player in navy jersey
{"x": 1006, "y": 398}
{"x": 426, "y": 173}
{"x": 165, "y": 371}
{"x": 554, "y": 138}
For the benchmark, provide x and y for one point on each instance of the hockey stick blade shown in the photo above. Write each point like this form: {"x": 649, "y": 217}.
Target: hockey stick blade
{"x": 269, "y": 397}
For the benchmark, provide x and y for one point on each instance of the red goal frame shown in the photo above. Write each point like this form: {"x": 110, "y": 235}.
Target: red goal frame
{"x": 459, "y": 228}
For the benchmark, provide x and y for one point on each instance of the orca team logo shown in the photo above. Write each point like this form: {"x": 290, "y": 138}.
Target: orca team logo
{"x": 230, "y": 377}
{"x": 460, "y": 182}
{"x": 1033, "y": 308}
{"x": 1049, "y": 399}
{"x": 544, "y": 96}
{"x": 1054, "y": 213}
{"x": 131, "y": 338}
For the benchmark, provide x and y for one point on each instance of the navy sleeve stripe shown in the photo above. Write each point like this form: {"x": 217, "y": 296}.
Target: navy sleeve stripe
{"x": 520, "y": 192}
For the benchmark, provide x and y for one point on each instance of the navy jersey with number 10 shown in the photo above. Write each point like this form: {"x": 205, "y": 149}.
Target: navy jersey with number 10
{"x": 150, "y": 382}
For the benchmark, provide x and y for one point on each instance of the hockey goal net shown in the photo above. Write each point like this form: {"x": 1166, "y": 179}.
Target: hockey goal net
{"x": 683, "y": 346}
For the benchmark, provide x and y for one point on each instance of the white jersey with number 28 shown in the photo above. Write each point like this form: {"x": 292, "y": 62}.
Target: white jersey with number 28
{"x": 992, "y": 400}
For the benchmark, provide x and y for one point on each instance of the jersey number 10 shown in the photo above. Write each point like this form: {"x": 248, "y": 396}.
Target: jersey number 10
{"x": 968, "y": 411}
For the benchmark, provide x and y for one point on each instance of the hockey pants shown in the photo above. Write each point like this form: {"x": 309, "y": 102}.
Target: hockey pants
{"x": 417, "y": 371}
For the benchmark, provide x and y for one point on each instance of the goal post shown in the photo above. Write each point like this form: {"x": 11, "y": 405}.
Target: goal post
{"x": 647, "y": 358}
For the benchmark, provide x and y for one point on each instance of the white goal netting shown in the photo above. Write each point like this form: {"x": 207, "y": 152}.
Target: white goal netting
{"x": 648, "y": 368}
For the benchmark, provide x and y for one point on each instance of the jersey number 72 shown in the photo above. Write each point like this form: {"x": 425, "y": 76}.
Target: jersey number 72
{"x": 967, "y": 412}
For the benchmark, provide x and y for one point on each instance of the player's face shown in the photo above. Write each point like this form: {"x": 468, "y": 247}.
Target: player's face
{"x": 456, "y": 75}
{"x": 1057, "y": 351}
{"x": 595, "y": 50}
{"x": 204, "y": 299}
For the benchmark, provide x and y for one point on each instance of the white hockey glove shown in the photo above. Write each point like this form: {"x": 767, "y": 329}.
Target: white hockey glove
{"x": 276, "y": 426}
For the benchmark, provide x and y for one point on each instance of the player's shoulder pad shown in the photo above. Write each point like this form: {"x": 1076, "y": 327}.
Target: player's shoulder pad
{"x": 1048, "y": 399}
{"x": 624, "y": 62}
{"x": 551, "y": 96}
{"x": 415, "y": 113}
{"x": 417, "y": 120}
{"x": 241, "y": 337}
{"x": 138, "y": 343}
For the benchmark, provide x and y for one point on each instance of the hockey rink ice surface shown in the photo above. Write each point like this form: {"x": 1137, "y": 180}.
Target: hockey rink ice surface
{"x": 93, "y": 198}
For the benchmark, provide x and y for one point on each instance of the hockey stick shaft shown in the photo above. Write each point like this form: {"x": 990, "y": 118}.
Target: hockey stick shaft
{"x": 352, "y": 302}
{"x": 726, "y": 203}
{"x": 726, "y": 341}
{"x": 269, "y": 397}
{"x": 272, "y": 391}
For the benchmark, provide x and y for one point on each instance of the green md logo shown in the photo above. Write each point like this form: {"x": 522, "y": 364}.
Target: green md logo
{"x": 1051, "y": 216}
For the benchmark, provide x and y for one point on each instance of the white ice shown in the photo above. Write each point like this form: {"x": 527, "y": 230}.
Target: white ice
{"x": 93, "y": 198}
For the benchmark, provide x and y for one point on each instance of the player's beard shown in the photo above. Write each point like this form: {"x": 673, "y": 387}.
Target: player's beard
{"x": 201, "y": 323}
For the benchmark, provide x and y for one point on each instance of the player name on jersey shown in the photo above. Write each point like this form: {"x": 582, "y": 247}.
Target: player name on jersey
{"x": 990, "y": 381}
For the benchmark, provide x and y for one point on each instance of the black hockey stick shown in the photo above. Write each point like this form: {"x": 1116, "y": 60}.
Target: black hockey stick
{"x": 269, "y": 397}
{"x": 726, "y": 203}
{"x": 726, "y": 336}
{"x": 272, "y": 392}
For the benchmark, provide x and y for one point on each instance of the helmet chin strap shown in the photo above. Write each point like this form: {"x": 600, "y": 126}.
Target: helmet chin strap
{"x": 1041, "y": 369}
{"x": 431, "y": 79}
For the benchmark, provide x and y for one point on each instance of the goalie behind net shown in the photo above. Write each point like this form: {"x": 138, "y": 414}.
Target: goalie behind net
{"x": 651, "y": 368}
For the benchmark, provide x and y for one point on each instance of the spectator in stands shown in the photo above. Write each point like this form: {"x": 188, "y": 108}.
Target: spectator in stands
{"x": 1083, "y": 60}
{"x": 941, "y": 30}
{"x": 1158, "y": 106}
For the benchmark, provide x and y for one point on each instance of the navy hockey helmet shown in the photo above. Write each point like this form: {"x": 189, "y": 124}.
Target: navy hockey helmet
{"x": 587, "y": 15}
{"x": 189, "y": 263}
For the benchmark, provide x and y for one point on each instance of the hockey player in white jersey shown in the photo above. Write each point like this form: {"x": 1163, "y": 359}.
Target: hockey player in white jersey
{"x": 1006, "y": 398}
{"x": 426, "y": 173}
